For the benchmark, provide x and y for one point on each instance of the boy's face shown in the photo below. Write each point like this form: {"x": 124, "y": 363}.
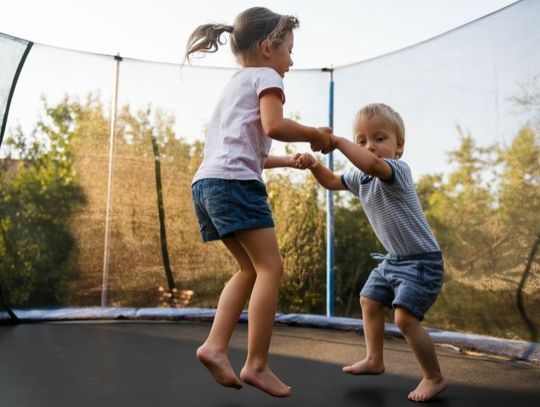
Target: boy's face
{"x": 379, "y": 136}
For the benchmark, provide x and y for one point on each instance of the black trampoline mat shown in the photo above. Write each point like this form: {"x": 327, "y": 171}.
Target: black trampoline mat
{"x": 133, "y": 363}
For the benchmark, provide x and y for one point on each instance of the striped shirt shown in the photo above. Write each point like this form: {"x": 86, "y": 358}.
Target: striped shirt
{"x": 393, "y": 210}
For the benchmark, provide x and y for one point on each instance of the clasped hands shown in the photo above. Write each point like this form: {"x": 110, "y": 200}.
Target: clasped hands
{"x": 323, "y": 142}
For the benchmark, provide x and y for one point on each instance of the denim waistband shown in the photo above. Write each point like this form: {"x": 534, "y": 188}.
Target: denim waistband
{"x": 418, "y": 256}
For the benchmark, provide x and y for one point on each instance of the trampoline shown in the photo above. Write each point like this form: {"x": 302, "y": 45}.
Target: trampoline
{"x": 146, "y": 356}
{"x": 152, "y": 363}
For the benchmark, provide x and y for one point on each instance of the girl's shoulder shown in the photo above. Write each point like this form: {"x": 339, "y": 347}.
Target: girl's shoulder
{"x": 258, "y": 72}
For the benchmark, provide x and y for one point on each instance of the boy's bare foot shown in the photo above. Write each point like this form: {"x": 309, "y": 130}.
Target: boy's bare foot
{"x": 365, "y": 367}
{"x": 428, "y": 389}
{"x": 266, "y": 381}
{"x": 219, "y": 366}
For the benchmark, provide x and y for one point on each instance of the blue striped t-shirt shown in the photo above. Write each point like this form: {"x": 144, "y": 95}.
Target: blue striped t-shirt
{"x": 393, "y": 210}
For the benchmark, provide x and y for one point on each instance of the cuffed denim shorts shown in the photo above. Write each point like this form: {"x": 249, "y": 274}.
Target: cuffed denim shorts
{"x": 226, "y": 206}
{"x": 412, "y": 282}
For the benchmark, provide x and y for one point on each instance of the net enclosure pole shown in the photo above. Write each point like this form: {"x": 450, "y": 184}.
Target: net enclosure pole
{"x": 108, "y": 210}
{"x": 330, "y": 208}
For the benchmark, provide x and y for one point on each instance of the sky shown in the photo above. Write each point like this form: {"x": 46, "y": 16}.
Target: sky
{"x": 347, "y": 30}
{"x": 335, "y": 33}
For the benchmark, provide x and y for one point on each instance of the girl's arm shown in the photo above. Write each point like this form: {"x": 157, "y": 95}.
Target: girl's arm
{"x": 362, "y": 158}
{"x": 276, "y": 161}
{"x": 278, "y": 128}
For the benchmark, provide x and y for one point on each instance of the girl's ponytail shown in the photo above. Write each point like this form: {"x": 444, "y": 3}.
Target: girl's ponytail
{"x": 206, "y": 38}
{"x": 250, "y": 27}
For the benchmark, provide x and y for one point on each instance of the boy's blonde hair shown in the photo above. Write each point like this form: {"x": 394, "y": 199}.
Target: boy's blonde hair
{"x": 385, "y": 111}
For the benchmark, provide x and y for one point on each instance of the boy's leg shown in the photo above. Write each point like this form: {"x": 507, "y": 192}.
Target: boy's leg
{"x": 373, "y": 318}
{"x": 262, "y": 247}
{"x": 432, "y": 382}
{"x": 233, "y": 298}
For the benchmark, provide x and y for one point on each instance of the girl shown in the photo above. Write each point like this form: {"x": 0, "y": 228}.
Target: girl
{"x": 229, "y": 196}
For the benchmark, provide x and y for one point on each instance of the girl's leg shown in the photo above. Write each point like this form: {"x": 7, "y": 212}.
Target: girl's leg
{"x": 233, "y": 298}
{"x": 432, "y": 382}
{"x": 373, "y": 318}
{"x": 262, "y": 247}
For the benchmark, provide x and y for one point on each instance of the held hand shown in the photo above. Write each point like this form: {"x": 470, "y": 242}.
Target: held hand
{"x": 305, "y": 160}
{"x": 322, "y": 143}
{"x": 296, "y": 161}
{"x": 333, "y": 141}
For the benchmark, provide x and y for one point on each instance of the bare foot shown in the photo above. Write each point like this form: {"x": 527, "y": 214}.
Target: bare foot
{"x": 219, "y": 366}
{"x": 365, "y": 367}
{"x": 266, "y": 381}
{"x": 428, "y": 389}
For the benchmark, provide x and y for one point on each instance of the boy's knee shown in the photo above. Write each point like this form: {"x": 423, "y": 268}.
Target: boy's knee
{"x": 368, "y": 305}
{"x": 404, "y": 319}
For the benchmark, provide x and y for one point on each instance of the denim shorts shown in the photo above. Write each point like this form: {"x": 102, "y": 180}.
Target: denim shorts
{"x": 412, "y": 282}
{"x": 226, "y": 206}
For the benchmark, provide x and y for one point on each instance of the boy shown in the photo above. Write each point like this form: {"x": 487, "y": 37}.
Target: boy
{"x": 410, "y": 276}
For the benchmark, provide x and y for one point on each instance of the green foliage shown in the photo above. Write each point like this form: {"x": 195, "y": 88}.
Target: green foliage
{"x": 39, "y": 194}
{"x": 486, "y": 231}
{"x": 300, "y": 226}
{"x": 136, "y": 269}
{"x": 354, "y": 242}
{"x": 461, "y": 211}
{"x": 53, "y": 189}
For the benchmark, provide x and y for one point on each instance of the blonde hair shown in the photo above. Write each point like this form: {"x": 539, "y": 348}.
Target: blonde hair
{"x": 384, "y": 111}
{"x": 249, "y": 29}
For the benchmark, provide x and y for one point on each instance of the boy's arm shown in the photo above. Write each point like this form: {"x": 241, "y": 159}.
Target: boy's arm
{"x": 362, "y": 158}
{"x": 326, "y": 178}
{"x": 278, "y": 128}
{"x": 323, "y": 175}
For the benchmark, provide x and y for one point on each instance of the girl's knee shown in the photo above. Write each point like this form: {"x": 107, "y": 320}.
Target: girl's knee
{"x": 280, "y": 270}
{"x": 246, "y": 269}
{"x": 276, "y": 270}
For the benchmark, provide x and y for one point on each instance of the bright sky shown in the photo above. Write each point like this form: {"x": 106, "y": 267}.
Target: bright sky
{"x": 347, "y": 30}
{"x": 335, "y": 33}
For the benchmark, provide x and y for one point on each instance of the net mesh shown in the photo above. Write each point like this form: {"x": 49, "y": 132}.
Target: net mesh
{"x": 470, "y": 103}
{"x": 12, "y": 51}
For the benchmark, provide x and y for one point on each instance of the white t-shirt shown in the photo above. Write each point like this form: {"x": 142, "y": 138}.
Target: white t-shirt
{"x": 237, "y": 147}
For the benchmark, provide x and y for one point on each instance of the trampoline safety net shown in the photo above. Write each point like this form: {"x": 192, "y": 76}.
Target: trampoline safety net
{"x": 95, "y": 199}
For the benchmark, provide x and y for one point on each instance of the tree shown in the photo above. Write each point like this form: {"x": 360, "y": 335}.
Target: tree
{"x": 39, "y": 195}
{"x": 136, "y": 261}
{"x": 354, "y": 242}
{"x": 300, "y": 228}
{"x": 519, "y": 196}
{"x": 462, "y": 211}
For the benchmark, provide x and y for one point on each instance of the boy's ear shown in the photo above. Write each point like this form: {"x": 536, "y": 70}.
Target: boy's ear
{"x": 400, "y": 147}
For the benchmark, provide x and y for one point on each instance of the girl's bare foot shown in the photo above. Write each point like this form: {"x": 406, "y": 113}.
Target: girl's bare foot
{"x": 266, "y": 381}
{"x": 365, "y": 367}
{"x": 219, "y": 366}
{"x": 428, "y": 389}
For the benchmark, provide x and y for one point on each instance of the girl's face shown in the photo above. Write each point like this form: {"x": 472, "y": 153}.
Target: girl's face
{"x": 279, "y": 58}
{"x": 378, "y": 136}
